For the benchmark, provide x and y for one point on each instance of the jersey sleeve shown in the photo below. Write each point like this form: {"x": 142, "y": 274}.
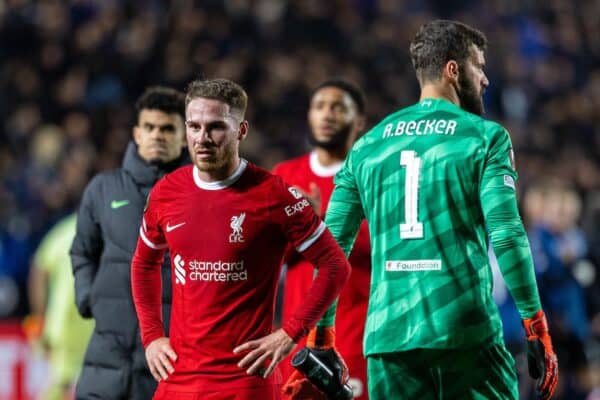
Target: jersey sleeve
{"x": 146, "y": 283}
{"x": 504, "y": 225}
{"x": 309, "y": 235}
{"x": 300, "y": 224}
{"x": 345, "y": 211}
{"x": 343, "y": 218}
{"x": 150, "y": 232}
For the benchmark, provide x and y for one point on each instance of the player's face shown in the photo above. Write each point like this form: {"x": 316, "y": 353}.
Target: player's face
{"x": 159, "y": 136}
{"x": 213, "y": 135}
{"x": 332, "y": 117}
{"x": 472, "y": 82}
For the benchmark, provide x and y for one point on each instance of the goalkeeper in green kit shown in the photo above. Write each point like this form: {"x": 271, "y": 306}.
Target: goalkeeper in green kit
{"x": 435, "y": 181}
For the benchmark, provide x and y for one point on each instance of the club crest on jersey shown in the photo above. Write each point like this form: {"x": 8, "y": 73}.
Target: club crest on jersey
{"x": 237, "y": 234}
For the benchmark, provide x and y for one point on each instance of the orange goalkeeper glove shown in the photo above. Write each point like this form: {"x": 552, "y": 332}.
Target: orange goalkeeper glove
{"x": 541, "y": 359}
{"x": 321, "y": 346}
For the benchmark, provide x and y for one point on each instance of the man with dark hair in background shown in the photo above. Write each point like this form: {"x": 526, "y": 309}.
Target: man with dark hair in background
{"x": 336, "y": 116}
{"x": 433, "y": 181}
{"x": 107, "y": 231}
{"x": 226, "y": 224}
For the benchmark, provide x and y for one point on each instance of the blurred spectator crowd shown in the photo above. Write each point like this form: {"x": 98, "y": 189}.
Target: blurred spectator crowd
{"x": 70, "y": 71}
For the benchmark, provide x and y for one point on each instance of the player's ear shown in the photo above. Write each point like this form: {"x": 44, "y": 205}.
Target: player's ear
{"x": 451, "y": 71}
{"x": 243, "y": 132}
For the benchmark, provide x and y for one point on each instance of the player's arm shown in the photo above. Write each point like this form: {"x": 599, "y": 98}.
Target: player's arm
{"x": 291, "y": 257}
{"x": 311, "y": 238}
{"x": 146, "y": 286}
{"x": 334, "y": 271}
{"x": 344, "y": 216}
{"x": 511, "y": 246}
{"x": 37, "y": 285}
{"x": 87, "y": 247}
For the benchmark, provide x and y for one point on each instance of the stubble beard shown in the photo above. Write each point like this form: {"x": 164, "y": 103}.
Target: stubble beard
{"x": 218, "y": 163}
{"x": 335, "y": 142}
{"x": 470, "y": 100}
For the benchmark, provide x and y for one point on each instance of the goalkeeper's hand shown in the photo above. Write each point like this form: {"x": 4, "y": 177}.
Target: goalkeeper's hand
{"x": 543, "y": 365}
{"x": 321, "y": 341}
{"x": 298, "y": 387}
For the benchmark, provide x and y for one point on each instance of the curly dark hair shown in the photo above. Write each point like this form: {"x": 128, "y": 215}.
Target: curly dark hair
{"x": 355, "y": 93}
{"x": 161, "y": 98}
{"x": 223, "y": 90}
{"x": 440, "y": 41}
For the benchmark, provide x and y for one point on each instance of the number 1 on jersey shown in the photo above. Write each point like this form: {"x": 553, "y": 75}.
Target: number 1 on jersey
{"x": 411, "y": 228}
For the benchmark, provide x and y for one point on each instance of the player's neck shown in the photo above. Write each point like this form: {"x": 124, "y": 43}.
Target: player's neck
{"x": 437, "y": 91}
{"x": 330, "y": 157}
{"x": 221, "y": 174}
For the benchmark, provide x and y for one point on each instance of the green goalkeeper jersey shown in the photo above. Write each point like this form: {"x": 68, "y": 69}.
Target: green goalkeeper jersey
{"x": 434, "y": 182}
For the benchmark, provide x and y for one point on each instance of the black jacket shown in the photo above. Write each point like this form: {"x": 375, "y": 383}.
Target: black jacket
{"x": 108, "y": 224}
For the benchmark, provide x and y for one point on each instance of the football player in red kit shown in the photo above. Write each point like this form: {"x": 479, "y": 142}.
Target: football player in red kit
{"x": 336, "y": 118}
{"x": 226, "y": 224}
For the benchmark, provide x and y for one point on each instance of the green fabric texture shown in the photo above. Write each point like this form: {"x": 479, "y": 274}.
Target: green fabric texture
{"x": 484, "y": 373}
{"x": 434, "y": 183}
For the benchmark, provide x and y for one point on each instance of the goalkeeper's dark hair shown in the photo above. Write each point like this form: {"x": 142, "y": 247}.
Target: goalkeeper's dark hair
{"x": 440, "y": 41}
{"x": 355, "y": 93}
{"x": 161, "y": 98}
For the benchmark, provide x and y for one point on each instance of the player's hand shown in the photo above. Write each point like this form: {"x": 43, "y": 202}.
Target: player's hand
{"x": 298, "y": 387}
{"x": 160, "y": 356}
{"x": 541, "y": 359}
{"x": 274, "y": 347}
{"x": 313, "y": 197}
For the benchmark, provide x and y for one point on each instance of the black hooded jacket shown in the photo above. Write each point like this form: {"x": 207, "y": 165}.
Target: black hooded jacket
{"x": 108, "y": 224}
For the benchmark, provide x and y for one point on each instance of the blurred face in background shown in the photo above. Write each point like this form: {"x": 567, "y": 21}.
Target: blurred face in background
{"x": 333, "y": 119}
{"x": 159, "y": 136}
{"x": 472, "y": 82}
{"x": 214, "y": 132}
{"x": 566, "y": 210}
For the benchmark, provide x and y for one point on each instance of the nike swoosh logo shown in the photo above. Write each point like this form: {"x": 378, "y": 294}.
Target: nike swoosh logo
{"x": 170, "y": 228}
{"x": 118, "y": 203}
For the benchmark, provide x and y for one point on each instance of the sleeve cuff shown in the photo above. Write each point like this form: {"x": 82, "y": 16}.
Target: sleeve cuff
{"x": 151, "y": 337}
{"x": 295, "y": 330}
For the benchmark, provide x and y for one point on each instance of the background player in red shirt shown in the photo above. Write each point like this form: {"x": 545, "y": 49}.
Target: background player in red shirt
{"x": 336, "y": 117}
{"x": 226, "y": 224}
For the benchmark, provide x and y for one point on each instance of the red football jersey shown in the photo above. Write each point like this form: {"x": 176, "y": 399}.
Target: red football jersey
{"x": 352, "y": 307}
{"x": 226, "y": 240}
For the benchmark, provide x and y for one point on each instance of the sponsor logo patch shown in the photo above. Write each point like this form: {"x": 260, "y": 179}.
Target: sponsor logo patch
{"x": 118, "y": 204}
{"x": 509, "y": 181}
{"x": 179, "y": 270}
{"x": 413, "y": 265}
{"x": 295, "y": 192}
{"x": 170, "y": 228}
{"x": 296, "y": 208}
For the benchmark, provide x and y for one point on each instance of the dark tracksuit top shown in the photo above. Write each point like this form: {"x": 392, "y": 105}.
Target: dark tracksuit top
{"x": 108, "y": 224}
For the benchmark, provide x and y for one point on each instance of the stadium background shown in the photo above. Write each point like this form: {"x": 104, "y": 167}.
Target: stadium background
{"x": 70, "y": 71}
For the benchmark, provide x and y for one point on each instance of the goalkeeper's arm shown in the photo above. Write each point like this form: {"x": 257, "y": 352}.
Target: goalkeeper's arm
{"x": 509, "y": 240}
{"x": 343, "y": 218}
